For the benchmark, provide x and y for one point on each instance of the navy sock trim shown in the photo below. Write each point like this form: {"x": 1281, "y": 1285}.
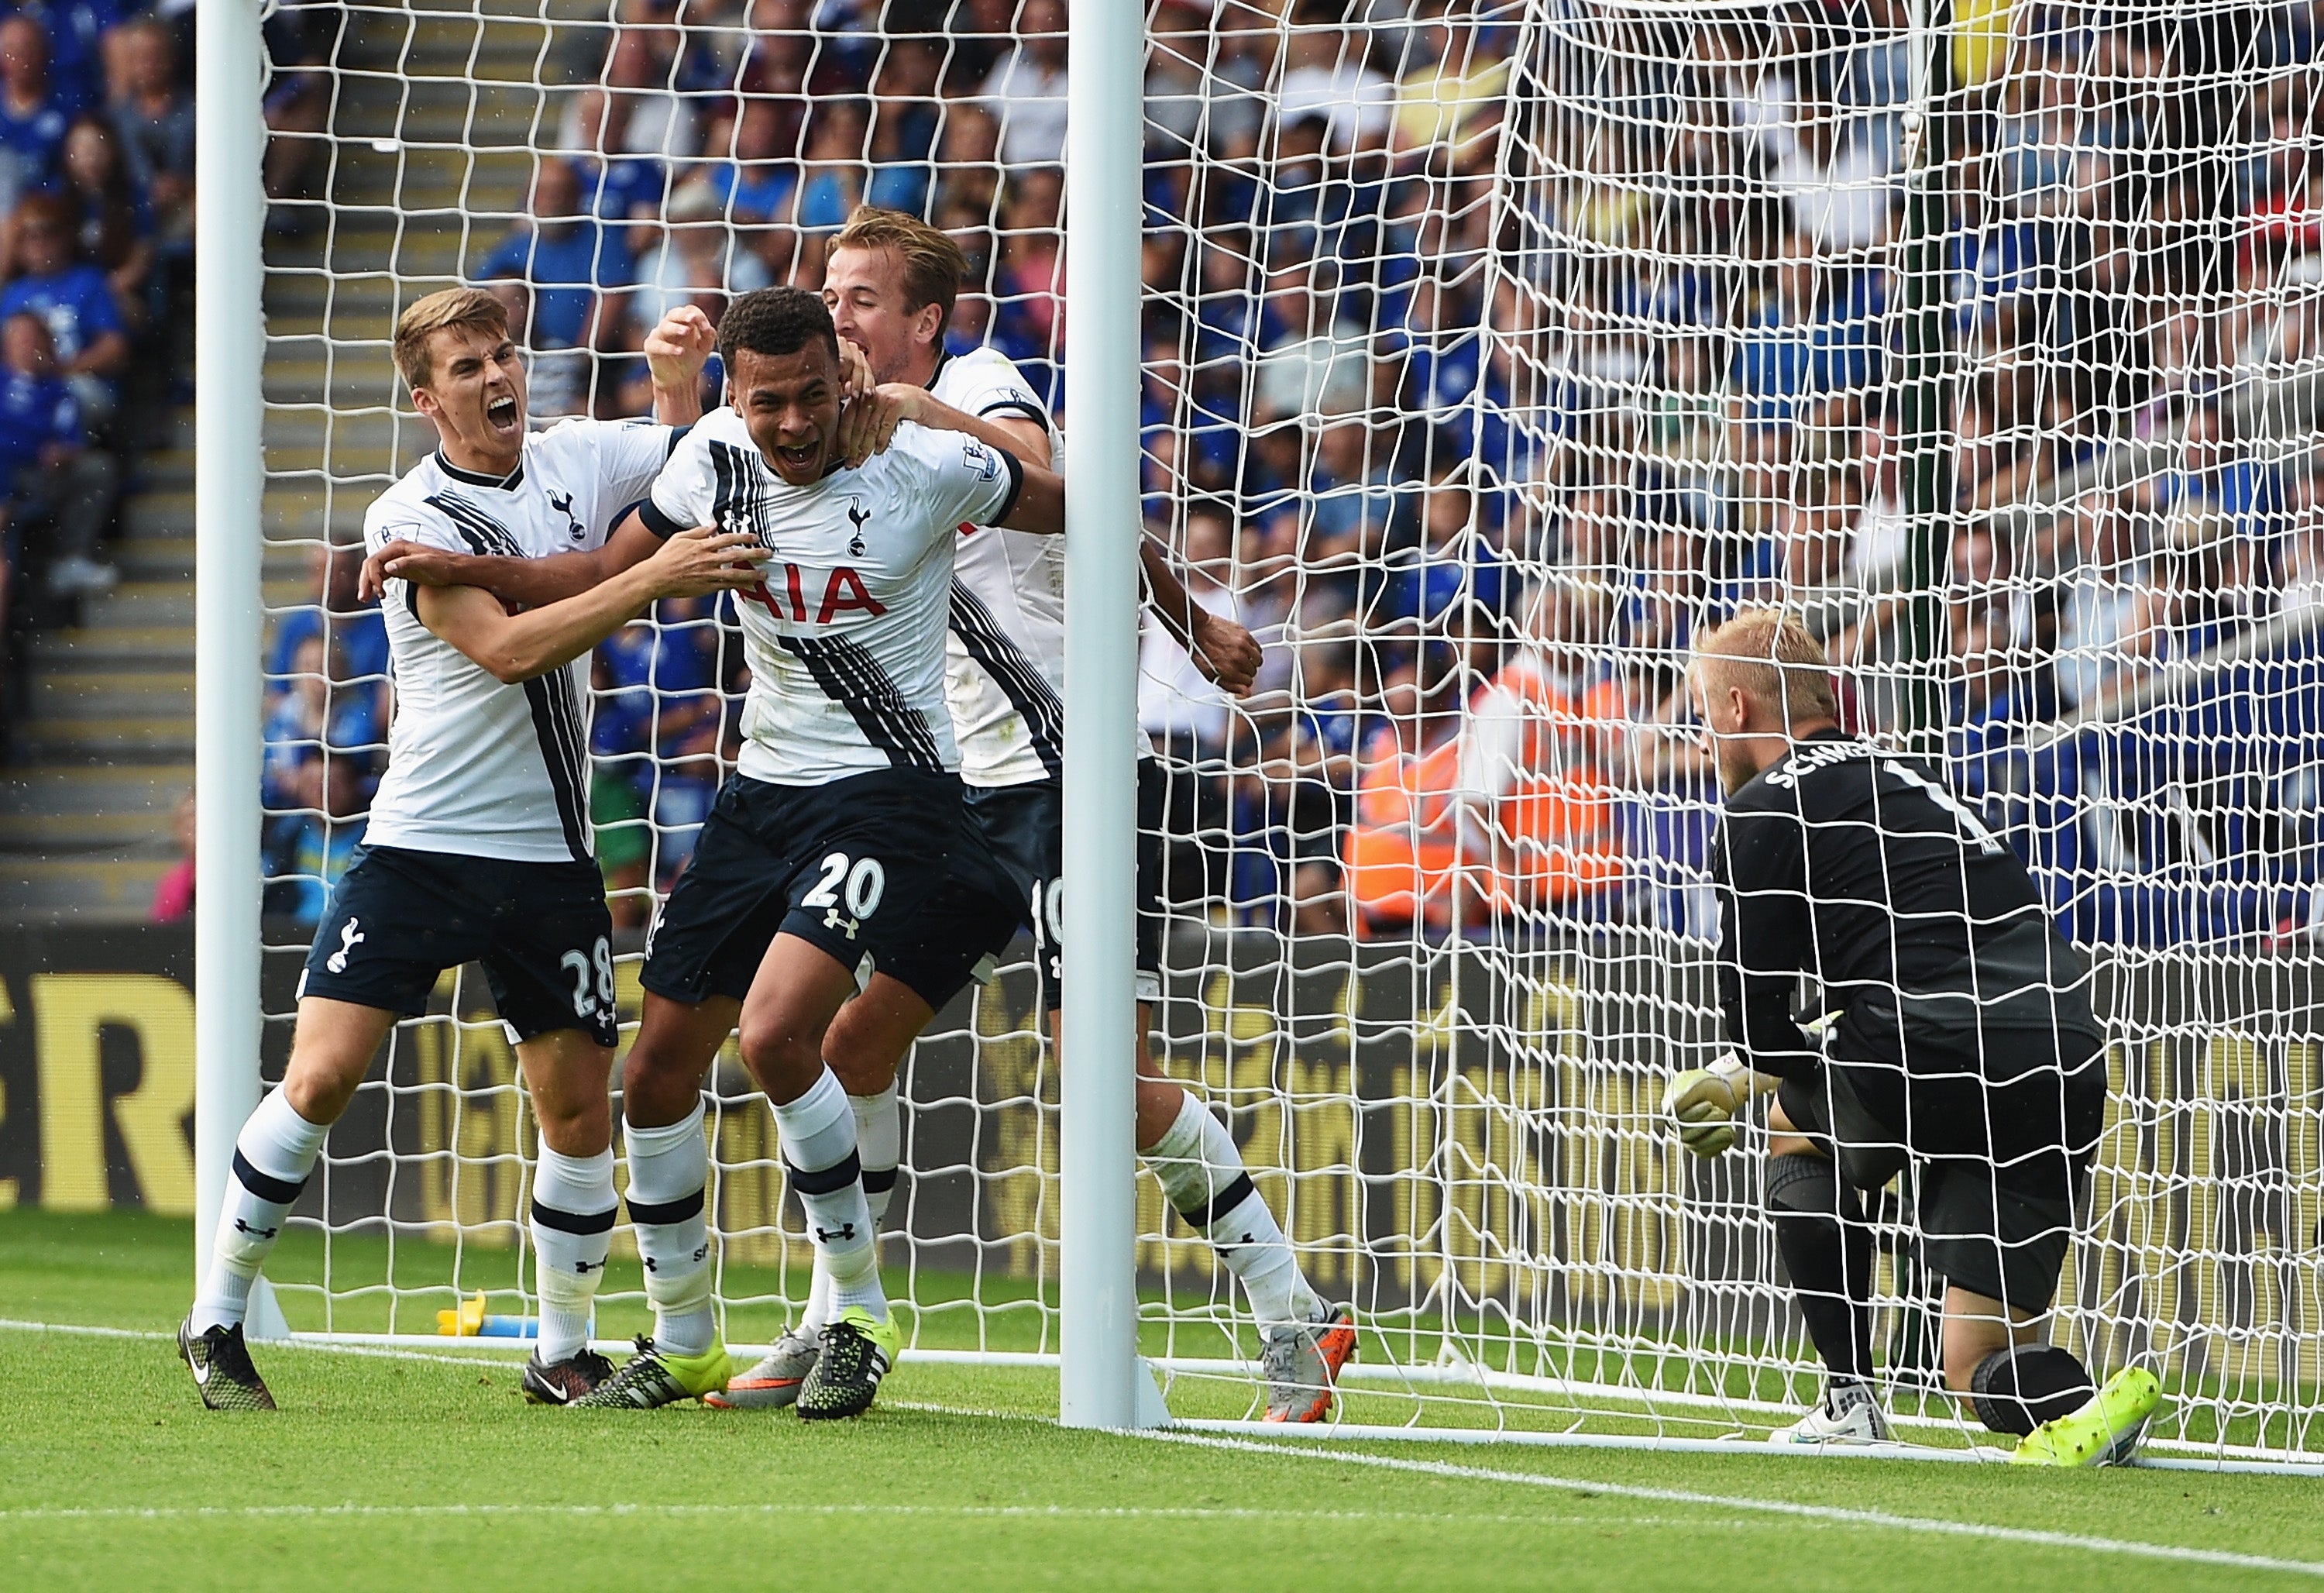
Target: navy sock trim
{"x": 684, "y": 1208}
{"x": 574, "y": 1222}
{"x": 879, "y": 1180}
{"x": 277, "y": 1191}
{"x": 1224, "y": 1202}
{"x": 824, "y": 1180}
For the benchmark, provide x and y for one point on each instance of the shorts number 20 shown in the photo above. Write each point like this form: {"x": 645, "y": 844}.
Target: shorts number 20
{"x": 867, "y": 882}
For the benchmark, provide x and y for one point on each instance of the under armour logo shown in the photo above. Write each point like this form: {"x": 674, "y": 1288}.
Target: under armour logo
{"x": 562, "y": 502}
{"x": 834, "y": 920}
{"x": 652, "y": 1265}
{"x": 845, "y": 1236}
{"x": 586, "y": 1267}
{"x": 349, "y": 939}
{"x": 856, "y": 515}
{"x": 241, "y": 1227}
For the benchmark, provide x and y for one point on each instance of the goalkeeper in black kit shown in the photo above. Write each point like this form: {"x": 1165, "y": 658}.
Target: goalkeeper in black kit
{"x": 1950, "y": 1032}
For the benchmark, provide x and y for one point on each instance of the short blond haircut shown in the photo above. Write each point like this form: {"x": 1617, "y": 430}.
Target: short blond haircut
{"x": 934, "y": 266}
{"x": 424, "y": 317}
{"x": 1770, "y": 654}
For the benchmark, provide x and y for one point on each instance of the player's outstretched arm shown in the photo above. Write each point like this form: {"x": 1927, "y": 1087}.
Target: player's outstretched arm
{"x": 1224, "y": 650}
{"x": 868, "y": 424}
{"x": 516, "y": 647}
{"x": 1040, "y": 506}
{"x": 527, "y": 583}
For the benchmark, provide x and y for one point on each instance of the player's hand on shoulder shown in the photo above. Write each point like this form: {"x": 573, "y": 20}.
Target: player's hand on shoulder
{"x": 679, "y": 346}
{"x": 867, "y": 419}
{"x": 1226, "y": 652}
{"x": 705, "y": 560}
{"x": 413, "y": 561}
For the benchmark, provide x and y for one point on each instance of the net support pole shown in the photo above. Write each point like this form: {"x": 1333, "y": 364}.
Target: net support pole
{"x": 1099, "y": 1373}
{"x": 229, "y": 480}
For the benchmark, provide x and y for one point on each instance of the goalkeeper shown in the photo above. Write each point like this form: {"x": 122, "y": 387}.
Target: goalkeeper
{"x": 1958, "y": 1037}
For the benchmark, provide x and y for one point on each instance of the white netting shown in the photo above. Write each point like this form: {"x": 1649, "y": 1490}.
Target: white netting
{"x": 1491, "y": 350}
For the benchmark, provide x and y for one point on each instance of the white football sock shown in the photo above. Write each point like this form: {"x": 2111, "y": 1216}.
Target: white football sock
{"x": 669, "y": 1168}
{"x": 1201, "y": 1173}
{"x": 880, "y": 1146}
{"x": 818, "y": 1134}
{"x": 573, "y": 1208}
{"x": 273, "y": 1156}
{"x": 879, "y": 1141}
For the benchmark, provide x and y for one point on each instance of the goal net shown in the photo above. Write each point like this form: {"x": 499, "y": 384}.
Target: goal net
{"x": 1491, "y": 352}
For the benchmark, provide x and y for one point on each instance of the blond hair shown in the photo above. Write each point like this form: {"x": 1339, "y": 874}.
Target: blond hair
{"x": 1770, "y": 654}
{"x": 934, "y": 266}
{"x": 424, "y": 317}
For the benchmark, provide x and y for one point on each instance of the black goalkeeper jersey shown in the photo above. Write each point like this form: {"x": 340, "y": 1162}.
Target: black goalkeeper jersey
{"x": 1857, "y": 868}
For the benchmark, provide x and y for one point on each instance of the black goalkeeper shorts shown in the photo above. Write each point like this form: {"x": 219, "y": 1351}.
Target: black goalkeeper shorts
{"x": 2001, "y": 1166}
{"x": 398, "y": 919}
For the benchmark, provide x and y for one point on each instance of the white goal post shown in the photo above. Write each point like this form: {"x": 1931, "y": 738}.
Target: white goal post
{"x": 1477, "y": 353}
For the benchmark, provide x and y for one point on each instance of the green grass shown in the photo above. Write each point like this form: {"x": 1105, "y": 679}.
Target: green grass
{"x": 409, "y": 1473}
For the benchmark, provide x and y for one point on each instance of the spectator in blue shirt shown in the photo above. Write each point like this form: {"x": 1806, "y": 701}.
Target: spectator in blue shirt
{"x": 621, "y": 749}
{"x": 73, "y": 300}
{"x": 568, "y": 257}
{"x": 74, "y": 32}
{"x": 755, "y": 188}
{"x": 51, "y": 476}
{"x": 337, "y": 613}
{"x": 32, "y": 124}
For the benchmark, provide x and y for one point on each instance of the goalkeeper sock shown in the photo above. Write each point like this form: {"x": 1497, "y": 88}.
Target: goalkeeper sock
{"x": 669, "y": 1168}
{"x": 2017, "y": 1389}
{"x": 272, "y": 1156}
{"x": 878, "y": 1137}
{"x": 1828, "y": 1250}
{"x": 817, "y": 1136}
{"x": 1201, "y": 1173}
{"x": 573, "y": 1208}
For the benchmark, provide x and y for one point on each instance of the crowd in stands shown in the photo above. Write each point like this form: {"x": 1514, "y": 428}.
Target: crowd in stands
{"x": 1486, "y": 359}
{"x": 96, "y": 194}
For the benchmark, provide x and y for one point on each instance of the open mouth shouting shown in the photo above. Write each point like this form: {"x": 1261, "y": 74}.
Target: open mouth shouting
{"x": 800, "y": 463}
{"x": 501, "y": 414}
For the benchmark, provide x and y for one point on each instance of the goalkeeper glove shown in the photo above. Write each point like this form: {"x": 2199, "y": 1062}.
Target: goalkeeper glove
{"x": 1705, "y": 1100}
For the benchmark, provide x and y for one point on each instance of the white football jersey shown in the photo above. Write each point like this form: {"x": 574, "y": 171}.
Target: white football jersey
{"x": 475, "y": 767}
{"x": 845, "y": 631}
{"x": 1005, "y": 657}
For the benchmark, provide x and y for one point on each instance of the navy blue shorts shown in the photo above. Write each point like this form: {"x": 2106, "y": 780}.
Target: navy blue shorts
{"x": 398, "y": 919}
{"x": 1021, "y": 831}
{"x": 849, "y": 866}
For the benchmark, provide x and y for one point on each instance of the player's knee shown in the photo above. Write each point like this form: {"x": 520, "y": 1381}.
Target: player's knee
{"x": 580, "y": 1127}
{"x": 320, "y": 1081}
{"x": 2016, "y": 1389}
{"x": 658, "y": 1088}
{"x": 777, "y": 1050}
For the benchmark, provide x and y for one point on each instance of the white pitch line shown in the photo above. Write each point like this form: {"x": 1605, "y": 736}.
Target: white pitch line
{"x": 173, "y": 1512}
{"x": 375, "y": 1351}
{"x": 1833, "y": 1514}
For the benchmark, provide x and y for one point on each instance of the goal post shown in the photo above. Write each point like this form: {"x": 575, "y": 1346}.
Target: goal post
{"x": 1101, "y": 1379}
{"x": 230, "y": 349}
{"x": 1476, "y": 354}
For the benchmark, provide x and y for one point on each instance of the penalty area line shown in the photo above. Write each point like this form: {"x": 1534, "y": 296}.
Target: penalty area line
{"x": 1829, "y": 1514}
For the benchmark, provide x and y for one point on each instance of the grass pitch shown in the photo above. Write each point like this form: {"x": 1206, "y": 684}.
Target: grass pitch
{"x": 418, "y": 1471}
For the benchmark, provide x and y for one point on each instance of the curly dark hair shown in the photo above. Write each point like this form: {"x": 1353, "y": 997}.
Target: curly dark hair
{"x": 774, "y": 321}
